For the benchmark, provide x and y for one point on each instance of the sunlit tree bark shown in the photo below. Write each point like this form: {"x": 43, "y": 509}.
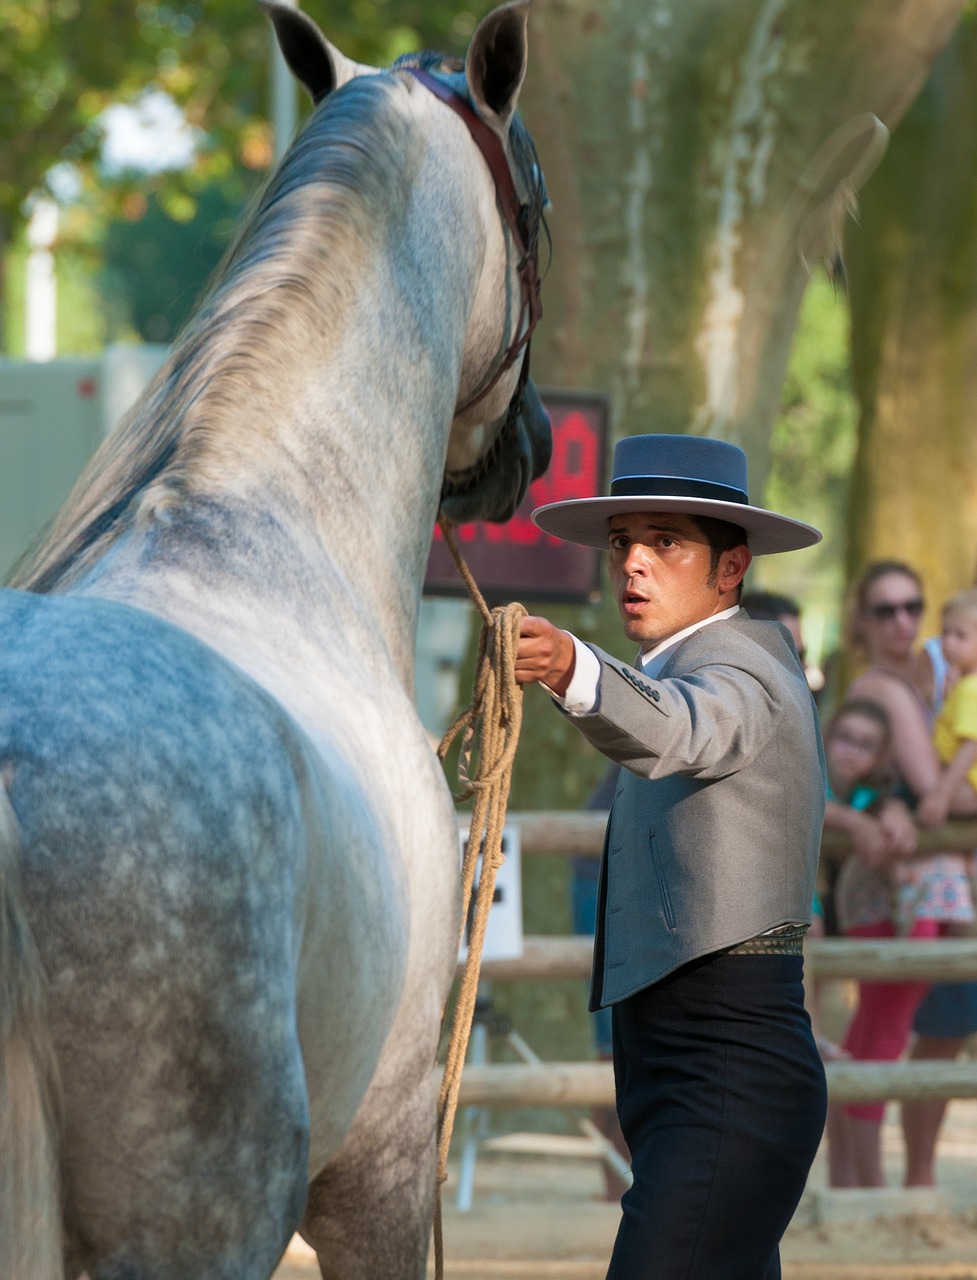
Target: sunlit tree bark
{"x": 693, "y": 153}
{"x": 913, "y": 259}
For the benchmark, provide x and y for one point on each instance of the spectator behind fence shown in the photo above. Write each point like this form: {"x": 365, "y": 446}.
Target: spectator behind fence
{"x": 770, "y": 606}
{"x": 887, "y": 608}
{"x": 881, "y": 831}
{"x": 773, "y": 607}
{"x": 955, "y": 728}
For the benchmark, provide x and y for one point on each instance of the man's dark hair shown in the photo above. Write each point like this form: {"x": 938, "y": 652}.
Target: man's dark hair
{"x": 721, "y": 536}
{"x": 768, "y": 606}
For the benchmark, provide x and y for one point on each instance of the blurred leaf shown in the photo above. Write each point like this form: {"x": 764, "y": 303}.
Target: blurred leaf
{"x": 63, "y": 63}
{"x": 157, "y": 263}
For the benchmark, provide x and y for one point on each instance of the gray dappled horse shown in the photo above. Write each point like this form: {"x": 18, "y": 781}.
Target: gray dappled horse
{"x": 228, "y": 858}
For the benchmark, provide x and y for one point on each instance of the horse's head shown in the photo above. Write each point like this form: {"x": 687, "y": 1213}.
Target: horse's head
{"x": 500, "y": 435}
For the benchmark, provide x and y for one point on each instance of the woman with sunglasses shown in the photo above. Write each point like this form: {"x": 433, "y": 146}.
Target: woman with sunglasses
{"x": 935, "y": 894}
{"x": 884, "y": 630}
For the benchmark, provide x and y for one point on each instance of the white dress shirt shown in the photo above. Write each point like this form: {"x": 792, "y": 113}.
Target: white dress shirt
{"x": 583, "y": 692}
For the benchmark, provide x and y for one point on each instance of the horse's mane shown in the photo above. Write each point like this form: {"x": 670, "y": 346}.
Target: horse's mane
{"x": 291, "y": 266}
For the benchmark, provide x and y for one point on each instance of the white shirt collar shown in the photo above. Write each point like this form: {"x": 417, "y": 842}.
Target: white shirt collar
{"x": 654, "y": 660}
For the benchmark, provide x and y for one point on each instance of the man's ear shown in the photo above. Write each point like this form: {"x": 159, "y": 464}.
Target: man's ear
{"x": 733, "y": 565}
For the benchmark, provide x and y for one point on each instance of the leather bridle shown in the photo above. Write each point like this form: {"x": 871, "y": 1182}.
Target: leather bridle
{"x": 517, "y": 217}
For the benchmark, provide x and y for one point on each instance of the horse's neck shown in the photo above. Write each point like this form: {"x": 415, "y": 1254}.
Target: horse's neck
{"x": 325, "y": 530}
{"x": 324, "y": 468}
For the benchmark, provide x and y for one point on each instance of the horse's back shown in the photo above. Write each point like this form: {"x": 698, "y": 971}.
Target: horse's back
{"x": 175, "y": 829}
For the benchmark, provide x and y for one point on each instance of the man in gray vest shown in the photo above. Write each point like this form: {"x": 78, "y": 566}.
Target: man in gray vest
{"x": 709, "y": 859}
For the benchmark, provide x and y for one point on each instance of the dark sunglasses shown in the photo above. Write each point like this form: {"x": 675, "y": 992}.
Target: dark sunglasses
{"x": 886, "y": 612}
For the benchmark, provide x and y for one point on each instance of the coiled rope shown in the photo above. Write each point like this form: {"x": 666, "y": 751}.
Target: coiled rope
{"x": 490, "y": 734}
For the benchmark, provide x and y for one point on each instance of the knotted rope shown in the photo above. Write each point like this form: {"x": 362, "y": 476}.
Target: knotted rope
{"x": 490, "y": 733}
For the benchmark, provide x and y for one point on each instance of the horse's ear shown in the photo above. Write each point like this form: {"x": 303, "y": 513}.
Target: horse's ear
{"x": 496, "y": 64}
{"x": 314, "y": 62}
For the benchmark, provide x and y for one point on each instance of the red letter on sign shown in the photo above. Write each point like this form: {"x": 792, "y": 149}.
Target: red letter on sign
{"x": 573, "y": 471}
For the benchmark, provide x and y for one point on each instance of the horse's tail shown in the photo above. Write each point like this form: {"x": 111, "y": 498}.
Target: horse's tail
{"x": 31, "y": 1245}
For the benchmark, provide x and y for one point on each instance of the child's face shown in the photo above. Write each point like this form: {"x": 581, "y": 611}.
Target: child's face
{"x": 960, "y": 641}
{"x": 853, "y": 751}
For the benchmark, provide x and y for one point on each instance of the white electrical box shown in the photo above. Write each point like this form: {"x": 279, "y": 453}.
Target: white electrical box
{"x": 503, "y": 930}
{"x": 53, "y": 416}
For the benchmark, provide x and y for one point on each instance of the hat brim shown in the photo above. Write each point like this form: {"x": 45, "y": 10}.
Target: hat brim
{"x": 584, "y": 520}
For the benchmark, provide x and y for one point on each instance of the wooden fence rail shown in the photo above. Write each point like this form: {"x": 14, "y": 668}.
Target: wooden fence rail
{"x": 552, "y": 833}
{"x": 586, "y": 1084}
{"x": 893, "y": 960}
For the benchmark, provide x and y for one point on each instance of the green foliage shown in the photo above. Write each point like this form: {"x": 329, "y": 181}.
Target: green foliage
{"x": 157, "y": 263}
{"x": 63, "y": 63}
{"x": 377, "y": 31}
{"x": 813, "y": 451}
{"x": 81, "y": 322}
{"x": 813, "y": 439}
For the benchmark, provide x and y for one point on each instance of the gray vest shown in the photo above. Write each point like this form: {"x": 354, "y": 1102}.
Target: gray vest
{"x": 715, "y": 829}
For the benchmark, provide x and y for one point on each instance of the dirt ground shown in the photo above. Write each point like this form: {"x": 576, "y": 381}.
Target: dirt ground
{"x": 532, "y": 1218}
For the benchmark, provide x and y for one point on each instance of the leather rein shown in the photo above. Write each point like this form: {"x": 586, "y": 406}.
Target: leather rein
{"x": 517, "y": 219}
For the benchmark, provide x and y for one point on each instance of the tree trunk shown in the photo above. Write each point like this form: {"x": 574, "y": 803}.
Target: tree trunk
{"x": 913, "y": 260}
{"x": 697, "y": 171}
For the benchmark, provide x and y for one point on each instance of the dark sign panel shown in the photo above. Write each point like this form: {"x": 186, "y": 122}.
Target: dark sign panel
{"x": 517, "y": 558}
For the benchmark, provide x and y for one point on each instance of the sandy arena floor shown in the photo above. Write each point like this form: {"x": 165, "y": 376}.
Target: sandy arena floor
{"x": 535, "y": 1218}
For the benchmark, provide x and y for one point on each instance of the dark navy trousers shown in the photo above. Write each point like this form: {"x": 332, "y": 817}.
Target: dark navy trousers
{"x": 722, "y": 1099}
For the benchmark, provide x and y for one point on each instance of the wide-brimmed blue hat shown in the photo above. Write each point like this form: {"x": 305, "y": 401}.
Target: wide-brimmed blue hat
{"x": 690, "y": 475}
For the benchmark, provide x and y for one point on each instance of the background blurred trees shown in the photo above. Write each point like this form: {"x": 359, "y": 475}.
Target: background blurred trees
{"x": 154, "y": 264}
{"x": 63, "y": 62}
{"x": 701, "y": 158}
{"x": 913, "y": 260}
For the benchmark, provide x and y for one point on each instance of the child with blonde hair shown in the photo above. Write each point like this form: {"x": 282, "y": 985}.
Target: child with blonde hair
{"x": 955, "y": 728}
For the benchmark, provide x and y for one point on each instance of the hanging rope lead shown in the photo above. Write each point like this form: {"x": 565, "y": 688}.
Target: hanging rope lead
{"x": 490, "y": 734}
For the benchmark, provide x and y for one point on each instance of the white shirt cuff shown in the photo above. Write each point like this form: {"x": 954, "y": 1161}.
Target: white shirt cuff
{"x": 583, "y": 691}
